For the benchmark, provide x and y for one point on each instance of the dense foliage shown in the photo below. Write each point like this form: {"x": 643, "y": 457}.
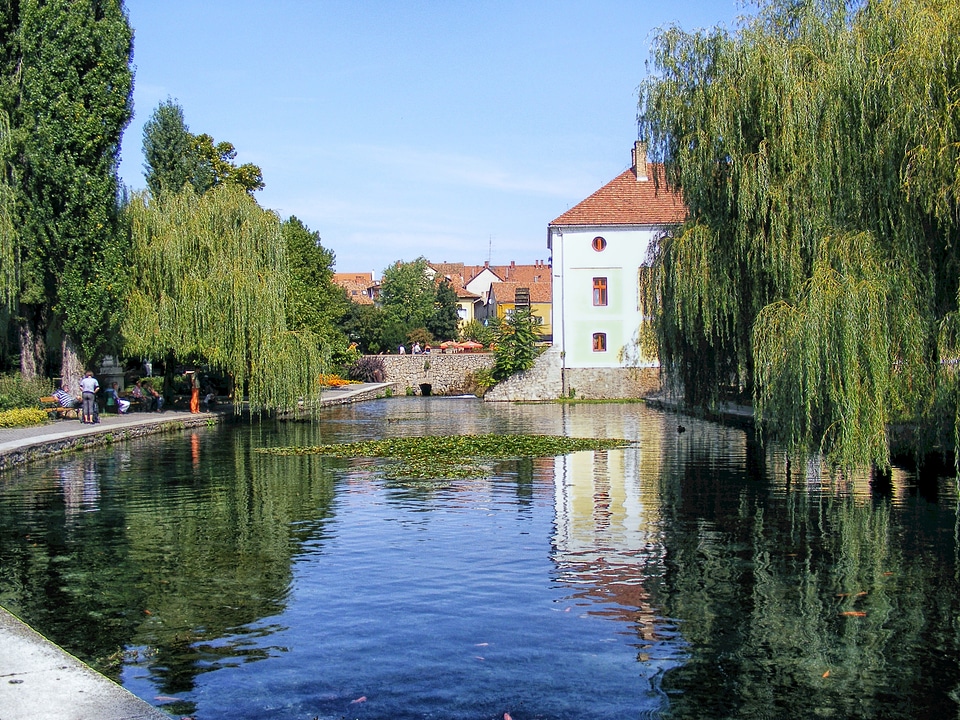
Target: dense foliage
{"x": 66, "y": 88}
{"x": 314, "y": 302}
{"x": 210, "y": 284}
{"x": 515, "y": 343}
{"x": 816, "y": 150}
{"x": 174, "y": 156}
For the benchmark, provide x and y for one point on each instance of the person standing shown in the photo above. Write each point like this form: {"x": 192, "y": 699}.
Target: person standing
{"x": 194, "y": 391}
{"x": 88, "y": 390}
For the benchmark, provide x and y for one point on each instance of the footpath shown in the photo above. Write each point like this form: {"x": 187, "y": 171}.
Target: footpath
{"x": 38, "y": 679}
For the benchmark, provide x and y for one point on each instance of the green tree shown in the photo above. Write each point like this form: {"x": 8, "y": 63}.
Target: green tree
{"x": 69, "y": 101}
{"x": 407, "y": 296}
{"x": 516, "y": 338}
{"x": 210, "y": 284}
{"x": 215, "y": 166}
{"x": 363, "y": 325}
{"x": 314, "y": 302}
{"x": 477, "y": 331}
{"x": 816, "y": 150}
{"x": 444, "y": 320}
{"x": 168, "y": 149}
{"x": 174, "y": 156}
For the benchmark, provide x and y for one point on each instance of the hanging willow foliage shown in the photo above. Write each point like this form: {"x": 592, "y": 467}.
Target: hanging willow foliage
{"x": 209, "y": 282}
{"x": 818, "y": 151}
{"x": 9, "y": 260}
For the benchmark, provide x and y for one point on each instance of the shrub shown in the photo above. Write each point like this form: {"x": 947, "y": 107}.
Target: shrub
{"x": 480, "y": 380}
{"x": 22, "y": 417}
{"x": 15, "y": 392}
{"x": 477, "y": 331}
{"x": 368, "y": 368}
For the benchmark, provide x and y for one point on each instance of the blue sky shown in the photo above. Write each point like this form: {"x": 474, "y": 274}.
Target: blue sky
{"x": 453, "y": 130}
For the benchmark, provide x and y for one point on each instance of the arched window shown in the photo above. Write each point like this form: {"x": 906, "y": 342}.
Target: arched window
{"x": 599, "y": 342}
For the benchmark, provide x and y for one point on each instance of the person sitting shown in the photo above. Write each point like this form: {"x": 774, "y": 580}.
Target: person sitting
{"x": 137, "y": 394}
{"x": 65, "y": 399}
{"x": 114, "y": 399}
{"x": 156, "y": 398}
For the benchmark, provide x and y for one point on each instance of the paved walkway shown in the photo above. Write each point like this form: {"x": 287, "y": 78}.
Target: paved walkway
{"x": 38, "y": 679}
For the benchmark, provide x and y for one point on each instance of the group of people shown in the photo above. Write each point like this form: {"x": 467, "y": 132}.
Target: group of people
{"x": 416, "y": 349}
{"x": 86, "y": 402}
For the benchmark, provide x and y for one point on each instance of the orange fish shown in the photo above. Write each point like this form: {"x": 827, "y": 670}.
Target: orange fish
{"x": 854, "y": 613}
{"x": 362, "y": 698}
{"x": 506, "y": 716}
{"x": 826, "y": 674}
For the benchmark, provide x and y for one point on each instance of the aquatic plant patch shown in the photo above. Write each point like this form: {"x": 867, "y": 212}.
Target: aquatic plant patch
{"x": 452, "y": 456}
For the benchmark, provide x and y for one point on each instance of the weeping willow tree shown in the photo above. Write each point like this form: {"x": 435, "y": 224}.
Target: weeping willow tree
{"x": 209, "y": 282}
{"x": 817, "y": 149}
{"x": 9, "y": 255}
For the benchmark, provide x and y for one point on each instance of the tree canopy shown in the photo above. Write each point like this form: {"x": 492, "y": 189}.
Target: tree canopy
{"x": 174, "y": 156}
{"x": 66, "y": 91}
{"x": 209, "y": 283}
{"x": 816, "y": 149}
{"x": 314, "y": 302}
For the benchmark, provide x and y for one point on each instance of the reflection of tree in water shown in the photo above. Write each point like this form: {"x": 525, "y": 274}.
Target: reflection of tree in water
{"x": 175, "y": 563}
{"x": 798, "y": 603}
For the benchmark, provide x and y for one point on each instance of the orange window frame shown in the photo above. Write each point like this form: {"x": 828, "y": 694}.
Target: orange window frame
{"x": 599, "y": 291}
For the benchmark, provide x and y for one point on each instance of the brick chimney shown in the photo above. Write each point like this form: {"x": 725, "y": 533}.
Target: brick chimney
{"x": 640, "y": 160}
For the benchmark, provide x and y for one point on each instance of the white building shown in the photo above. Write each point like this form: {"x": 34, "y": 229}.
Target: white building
{"x": 598, "y": 248}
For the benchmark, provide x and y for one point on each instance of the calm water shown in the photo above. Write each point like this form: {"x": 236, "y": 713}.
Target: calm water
{"x": 688, "y": 576}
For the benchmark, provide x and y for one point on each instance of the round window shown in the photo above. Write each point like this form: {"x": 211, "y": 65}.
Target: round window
{"x": 599, "y": 243}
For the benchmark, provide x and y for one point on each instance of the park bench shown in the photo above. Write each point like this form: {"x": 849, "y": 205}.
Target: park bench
{"x": 56, "y": 411}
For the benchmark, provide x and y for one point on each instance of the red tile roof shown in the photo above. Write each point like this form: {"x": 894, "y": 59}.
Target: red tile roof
{"x": 507, "y": 291}
{"x": 628, "y": 201}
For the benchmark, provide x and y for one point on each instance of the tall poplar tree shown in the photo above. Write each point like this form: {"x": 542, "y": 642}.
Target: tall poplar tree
{"x": 816, "y": 150}
{"x": 67, "y": 90}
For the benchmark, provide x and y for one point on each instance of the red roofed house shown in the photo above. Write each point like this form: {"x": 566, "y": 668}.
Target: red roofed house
{"x": 599, "y": 247}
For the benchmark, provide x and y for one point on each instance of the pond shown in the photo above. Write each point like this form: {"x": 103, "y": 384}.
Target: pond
{"x": 690, "y": 575}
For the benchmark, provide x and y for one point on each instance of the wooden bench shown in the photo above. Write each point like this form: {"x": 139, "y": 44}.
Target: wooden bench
{"x": 55, "y": 410}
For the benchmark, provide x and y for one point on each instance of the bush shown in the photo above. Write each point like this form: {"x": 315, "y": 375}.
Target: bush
{"x": 22, "y": 417}
{"x": 15, "y": 392}
{"x": 480, "y": 380}
{"x": 368, "y": 368}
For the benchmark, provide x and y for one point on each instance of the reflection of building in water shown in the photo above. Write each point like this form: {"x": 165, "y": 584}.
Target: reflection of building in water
{"x": 607, "y": 538}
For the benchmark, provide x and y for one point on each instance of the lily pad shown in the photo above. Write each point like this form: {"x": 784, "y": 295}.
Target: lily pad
{"x": 451, "y": 456}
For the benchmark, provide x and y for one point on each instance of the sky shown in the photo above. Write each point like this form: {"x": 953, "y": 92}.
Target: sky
{"x": 450, "y": 129}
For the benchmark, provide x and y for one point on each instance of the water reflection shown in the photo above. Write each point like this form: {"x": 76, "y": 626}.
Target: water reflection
{"x": 691, "y": 575}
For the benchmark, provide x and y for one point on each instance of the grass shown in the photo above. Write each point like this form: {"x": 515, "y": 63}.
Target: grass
{"x": 451, "y": 456}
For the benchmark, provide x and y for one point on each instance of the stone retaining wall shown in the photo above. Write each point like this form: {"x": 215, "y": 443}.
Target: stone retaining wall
{"x": 107, "y": 436}
{"x": 612, "y": 383}
{"x": 436, "y": 373}
{"x": 541, "y": 382}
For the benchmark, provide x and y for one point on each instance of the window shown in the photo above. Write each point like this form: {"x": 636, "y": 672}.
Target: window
{"x": 599, "y": 342}
{"x": 599, "y": 243}
{"x": 600, "y": 291}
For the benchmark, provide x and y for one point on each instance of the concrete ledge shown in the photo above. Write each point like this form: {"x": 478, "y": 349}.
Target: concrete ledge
{"x": 41, "y": 681}
{"x": 75, "y": 437}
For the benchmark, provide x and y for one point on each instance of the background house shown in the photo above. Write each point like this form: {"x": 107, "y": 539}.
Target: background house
{"x": 504, "y": 297}
{"x": 599, "y": 247}
{"x": 361, "y": 288}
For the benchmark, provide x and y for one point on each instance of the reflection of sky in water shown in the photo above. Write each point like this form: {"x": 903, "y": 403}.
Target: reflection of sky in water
{"x": 688, "y": 575}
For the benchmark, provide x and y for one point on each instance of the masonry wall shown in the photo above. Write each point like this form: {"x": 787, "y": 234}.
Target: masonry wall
{"x": 541, "y": 382}
{"x": 446, "y": 374}
{"x": 611, "y": 383}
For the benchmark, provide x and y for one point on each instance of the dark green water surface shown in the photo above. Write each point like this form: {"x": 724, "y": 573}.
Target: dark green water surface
{"x": 688, "y": 576}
